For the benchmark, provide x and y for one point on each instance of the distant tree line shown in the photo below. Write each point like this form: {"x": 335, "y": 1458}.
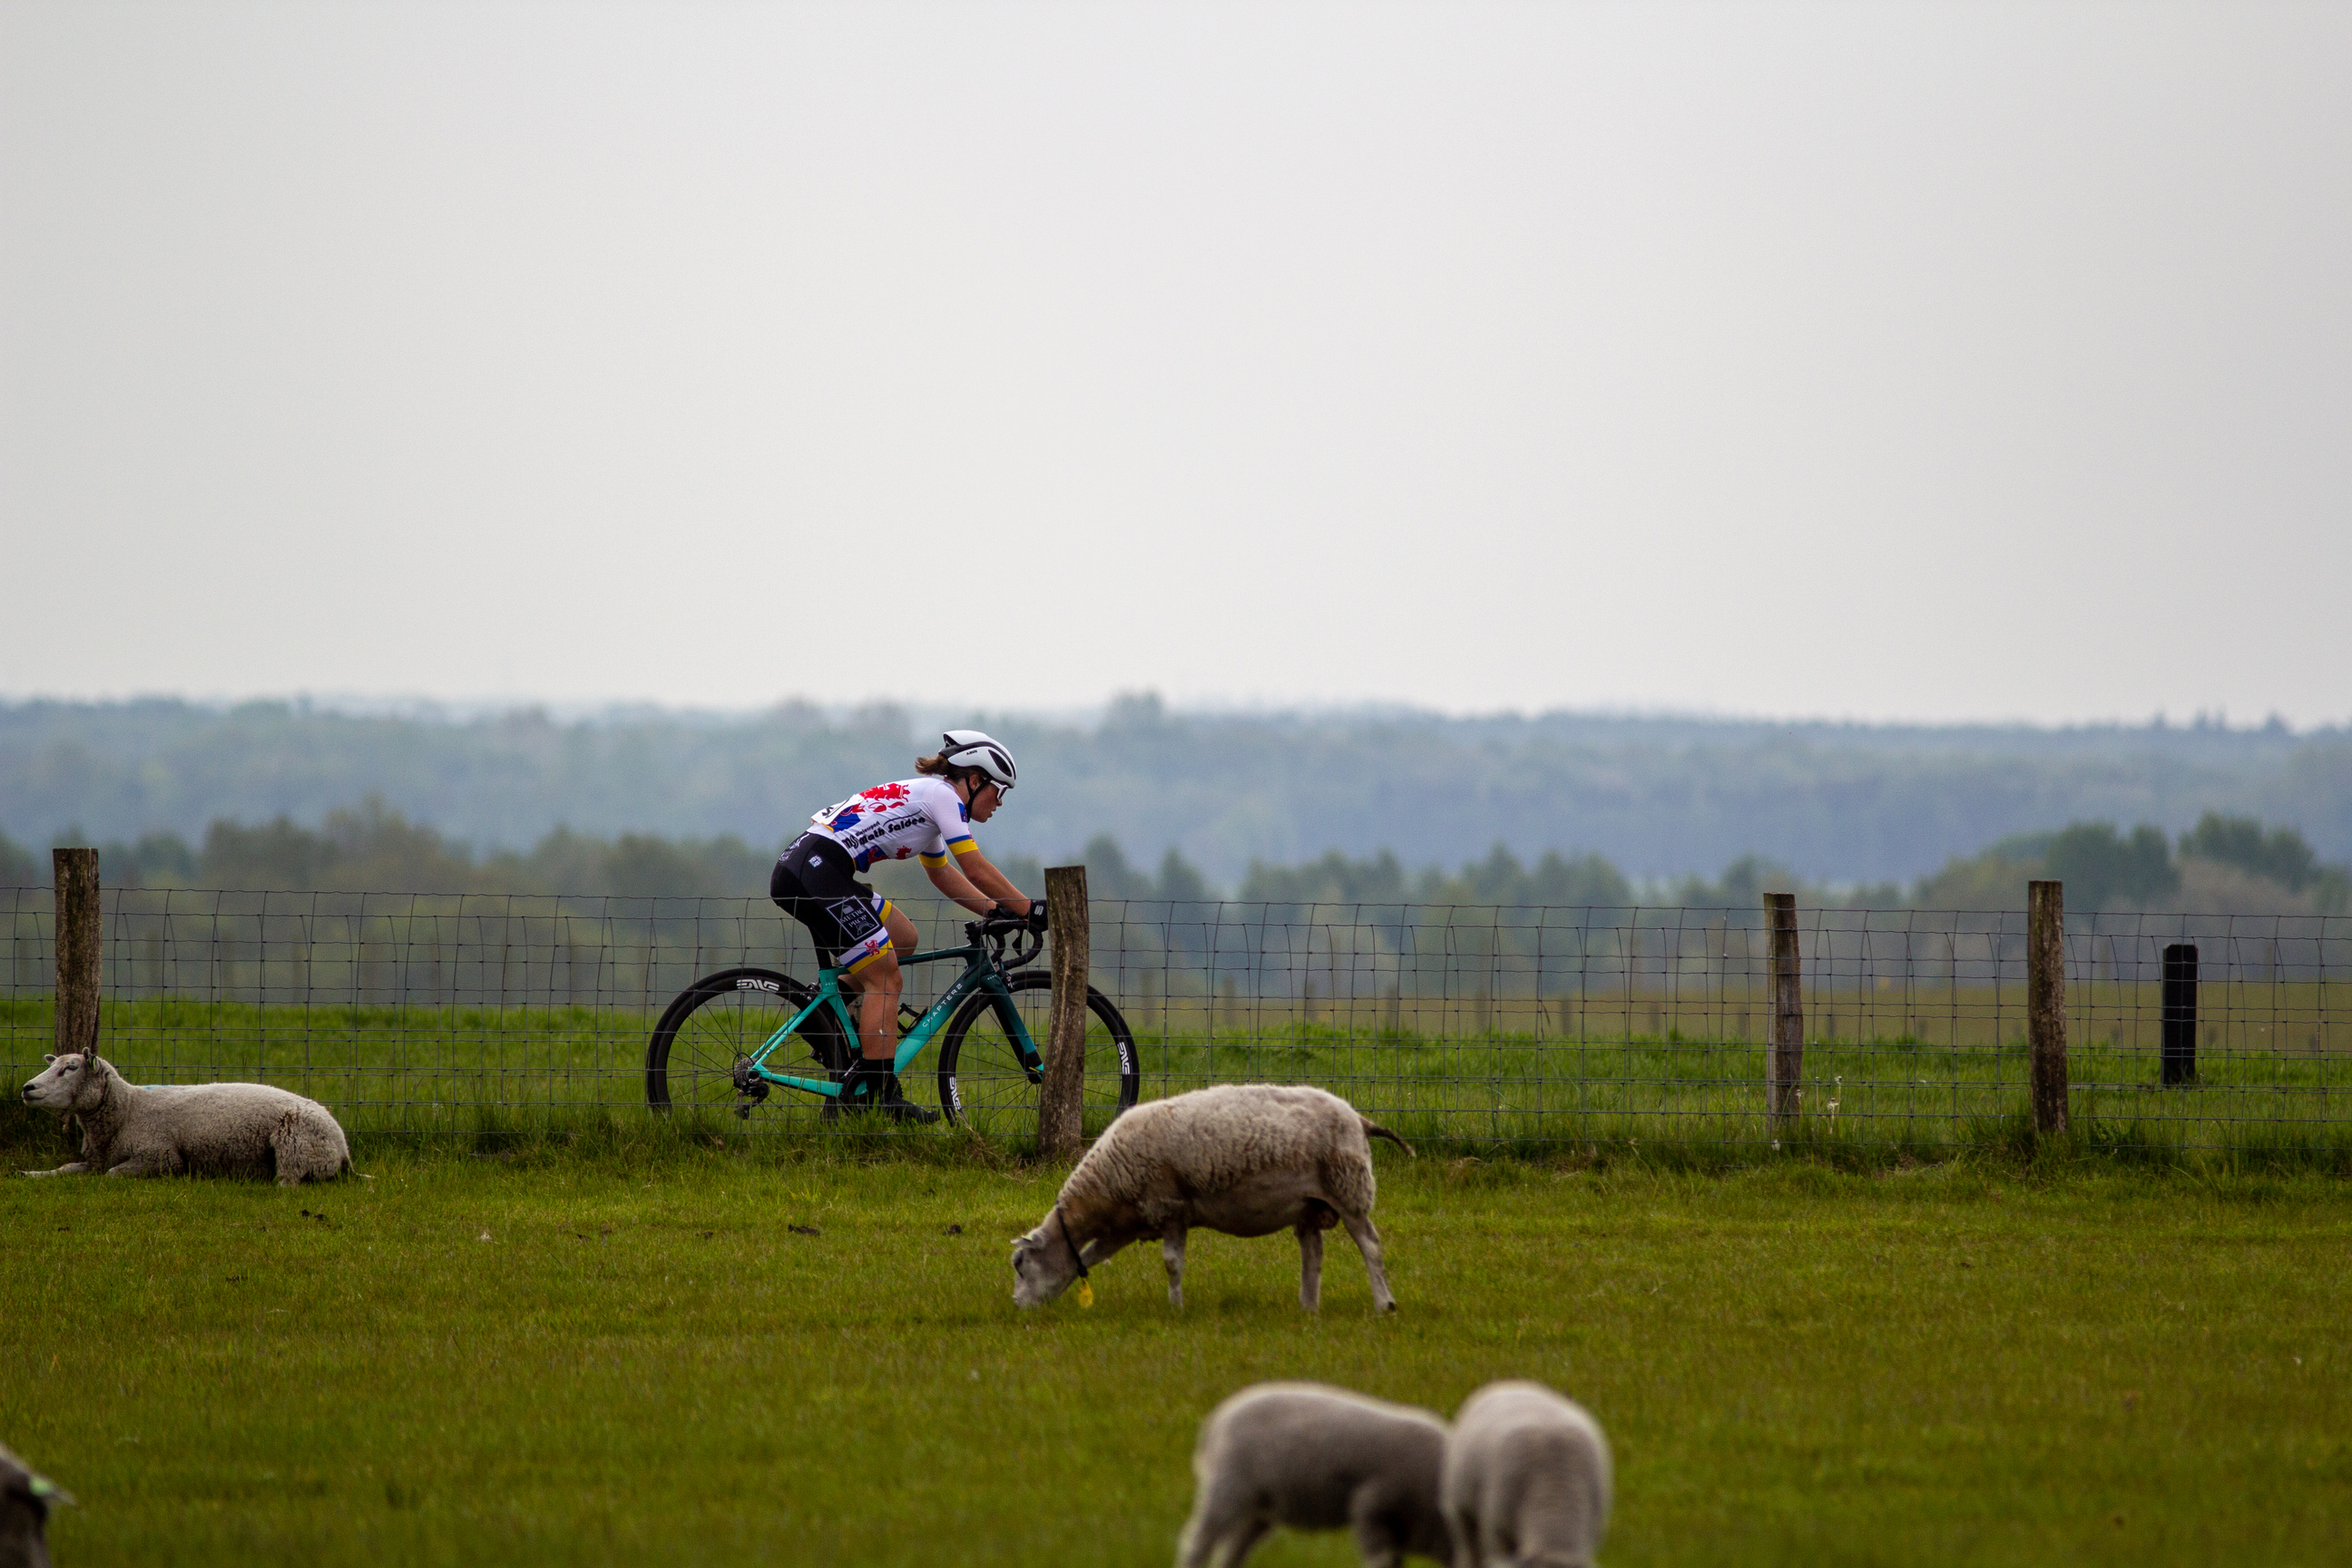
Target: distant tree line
{"x": 371, "y": 848}
{"x": 2224, "y": 865}
{"x": 1658, "y": 797}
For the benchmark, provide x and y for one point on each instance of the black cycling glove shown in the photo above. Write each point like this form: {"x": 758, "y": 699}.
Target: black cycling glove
{"x": 1037, "y": 915}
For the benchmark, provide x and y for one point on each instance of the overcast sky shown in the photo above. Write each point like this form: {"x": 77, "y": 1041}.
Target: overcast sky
{"x": 1879, "y": 361}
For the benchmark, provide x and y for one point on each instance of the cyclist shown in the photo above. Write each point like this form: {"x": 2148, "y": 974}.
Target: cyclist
{"x": 928, "y": 816}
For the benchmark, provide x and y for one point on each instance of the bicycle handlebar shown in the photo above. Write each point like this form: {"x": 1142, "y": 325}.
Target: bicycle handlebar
{"x": 1028, "y": 945}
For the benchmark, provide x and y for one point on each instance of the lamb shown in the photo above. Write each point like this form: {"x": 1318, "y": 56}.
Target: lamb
{"x": 1527, "y": 1480}
{"x": 1311, "y": 1457}
{"x": 213, "y": 1128}
{"x": 1246, "y": 1159}
{"x": 25, "y": 1499}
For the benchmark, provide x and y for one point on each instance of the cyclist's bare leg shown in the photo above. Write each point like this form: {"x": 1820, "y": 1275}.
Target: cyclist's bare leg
{"x": 879, "y": 986}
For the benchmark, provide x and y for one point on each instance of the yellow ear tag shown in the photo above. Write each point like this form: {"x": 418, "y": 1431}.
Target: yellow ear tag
{"x": 1086, "y": 1294}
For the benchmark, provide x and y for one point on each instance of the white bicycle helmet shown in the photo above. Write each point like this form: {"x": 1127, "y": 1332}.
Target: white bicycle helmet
{"x": 974, "y": 748}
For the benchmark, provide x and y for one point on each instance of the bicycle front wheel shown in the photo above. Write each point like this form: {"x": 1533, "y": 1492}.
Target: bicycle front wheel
{"x": 723, "y": 1018}
{"x": 984, "y": 1086}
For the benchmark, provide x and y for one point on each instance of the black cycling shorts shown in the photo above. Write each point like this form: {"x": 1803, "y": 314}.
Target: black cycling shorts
{"x": 815, "y": 882}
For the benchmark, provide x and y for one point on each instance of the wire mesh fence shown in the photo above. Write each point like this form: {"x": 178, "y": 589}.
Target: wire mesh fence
{"x": 462, "y": 1013}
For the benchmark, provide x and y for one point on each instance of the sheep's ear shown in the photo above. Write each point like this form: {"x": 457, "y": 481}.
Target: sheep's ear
{"x": 50, "y": 1057}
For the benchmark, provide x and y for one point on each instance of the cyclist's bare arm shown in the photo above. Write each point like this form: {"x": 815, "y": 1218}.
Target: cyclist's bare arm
{"x": 971, "y": 881}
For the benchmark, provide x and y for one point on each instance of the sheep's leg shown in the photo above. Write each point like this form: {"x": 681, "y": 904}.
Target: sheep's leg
{"x": 1222, "y": 1530}
{"x": 163, "y": 1164}
{"x": 1171, "y": 1253}
{"x": 1195, "y": 1542}
{"x": 75, "y": 1168}
{"x": 1367, "y": 1242}
{"x": 1240, "y": 1541}
{"x": 1502, "y": 1497}
{"x": 1464, "y": 1526}
{"x": 1310, "y": 1264}
{"x": 1376, "y": 1542}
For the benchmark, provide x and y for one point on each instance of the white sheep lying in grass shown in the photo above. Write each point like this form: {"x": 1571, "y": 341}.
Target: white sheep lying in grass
{"x": 1527, "y": 1481}
{"x": 25, "y": 1499}
{"x": 1247, "y": 1159}
{"x": 1306, "y": 1456}
{"x": 212, "y": 1128}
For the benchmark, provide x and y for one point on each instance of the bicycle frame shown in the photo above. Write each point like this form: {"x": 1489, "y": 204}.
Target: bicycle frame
{"x": 978, "y": 975}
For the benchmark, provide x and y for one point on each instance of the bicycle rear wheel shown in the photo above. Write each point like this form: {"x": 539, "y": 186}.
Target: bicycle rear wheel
{"x": 984, "y": 1086}
{"x": 723, "y": 1018}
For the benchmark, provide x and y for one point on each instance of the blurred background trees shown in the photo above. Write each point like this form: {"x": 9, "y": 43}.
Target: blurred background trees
{"x": 1663, "y": 800}
{"x": 2224, "y": 865}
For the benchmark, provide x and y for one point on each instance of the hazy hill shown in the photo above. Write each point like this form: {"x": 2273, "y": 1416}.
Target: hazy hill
{"x": 1657, "y": 798}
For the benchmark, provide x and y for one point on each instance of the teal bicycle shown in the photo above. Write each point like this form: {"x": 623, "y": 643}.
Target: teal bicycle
{"x": 721, "y": 1045}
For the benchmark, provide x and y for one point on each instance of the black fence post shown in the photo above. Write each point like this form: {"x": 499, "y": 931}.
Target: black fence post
{"x": 1784, "y": 1064}
{"x": 2045, "y": 1003}
{"x": 2180, "y": 1013}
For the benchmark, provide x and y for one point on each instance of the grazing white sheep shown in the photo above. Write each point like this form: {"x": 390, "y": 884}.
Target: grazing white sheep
{"x": 1310, "y": 1456}
{"x": 25, "y": 1499}
{"x": 211, "y": 1128}
{"x": 1527, "y": 1480}
{"x": 1247, "y": 1159}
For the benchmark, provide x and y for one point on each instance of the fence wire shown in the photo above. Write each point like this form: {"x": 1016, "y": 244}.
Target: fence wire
{"x": 475, "y": 1012}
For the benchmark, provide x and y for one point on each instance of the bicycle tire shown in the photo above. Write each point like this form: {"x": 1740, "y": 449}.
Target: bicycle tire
{"x": 984, "y": 1086}
{"x": 690, "y": 1060}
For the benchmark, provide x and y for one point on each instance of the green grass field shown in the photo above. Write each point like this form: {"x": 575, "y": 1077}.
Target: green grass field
{"x": 436, "y": 1071}
{"x": 621, "y": 1351}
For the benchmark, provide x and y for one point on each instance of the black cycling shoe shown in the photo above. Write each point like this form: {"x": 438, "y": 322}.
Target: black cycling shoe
{"x": 896, "y": 1104}
{"x": 870, "y": 1085}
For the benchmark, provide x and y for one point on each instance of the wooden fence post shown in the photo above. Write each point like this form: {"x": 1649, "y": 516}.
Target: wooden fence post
{"x": 2045, "y": 1003}
{"x": 1785, "y": 1052}
{"x": 1060, "y": 1130}
{"x": 80, "y": 933}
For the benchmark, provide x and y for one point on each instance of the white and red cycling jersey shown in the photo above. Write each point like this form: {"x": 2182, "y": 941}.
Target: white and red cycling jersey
{"x": 922, "y": 816}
